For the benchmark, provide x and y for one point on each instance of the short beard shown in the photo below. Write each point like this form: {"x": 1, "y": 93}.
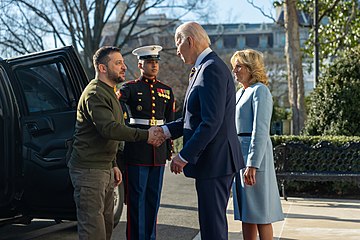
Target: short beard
{"x": 113, "y": 77}
{"x": 118, "y": 80}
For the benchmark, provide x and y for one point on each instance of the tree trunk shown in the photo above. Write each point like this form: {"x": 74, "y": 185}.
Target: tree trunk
{"x": 294, "y": 67}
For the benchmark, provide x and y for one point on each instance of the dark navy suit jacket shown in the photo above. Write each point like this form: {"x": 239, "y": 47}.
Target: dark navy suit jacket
{"x": 208, "y": 127}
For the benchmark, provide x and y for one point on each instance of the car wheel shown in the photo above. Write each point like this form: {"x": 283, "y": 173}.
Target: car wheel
{"x": 118, "y": 203}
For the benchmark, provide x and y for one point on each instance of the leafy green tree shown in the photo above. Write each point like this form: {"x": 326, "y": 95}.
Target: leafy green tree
{"x": 339, "y": 27}
{"x": 334, "y": 107}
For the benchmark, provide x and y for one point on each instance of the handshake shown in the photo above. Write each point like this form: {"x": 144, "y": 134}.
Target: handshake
{"x": 156, "y": 136}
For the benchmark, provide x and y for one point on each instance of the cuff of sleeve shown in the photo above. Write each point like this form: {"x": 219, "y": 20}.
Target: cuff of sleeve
{"x": 182, "y": 159}
{"x": 166, "y": 131}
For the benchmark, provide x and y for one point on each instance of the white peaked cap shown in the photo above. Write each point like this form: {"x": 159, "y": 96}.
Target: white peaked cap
{"x": 147, "y": 52}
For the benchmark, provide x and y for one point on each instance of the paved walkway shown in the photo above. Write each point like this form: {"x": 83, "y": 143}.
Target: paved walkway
{"x": 319, "y": 219}
{"x": 312, "y": 219}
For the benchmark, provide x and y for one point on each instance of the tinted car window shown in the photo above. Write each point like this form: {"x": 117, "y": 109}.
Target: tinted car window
{"x": 2, "y": 140}
{"x": 46, "y": 88}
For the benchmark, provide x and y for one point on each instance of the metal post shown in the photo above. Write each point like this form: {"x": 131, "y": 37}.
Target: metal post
{"x": 316, "y": 43}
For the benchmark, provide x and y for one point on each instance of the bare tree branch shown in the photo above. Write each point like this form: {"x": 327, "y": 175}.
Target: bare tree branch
{"x": 82, "y": 22}
{"x": 44, "y": 17}
{"x": 251, "y": 2}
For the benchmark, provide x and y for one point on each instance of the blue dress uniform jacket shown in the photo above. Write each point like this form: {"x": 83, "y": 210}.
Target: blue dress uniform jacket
{"x": 258, "y": 204}
{"x": 148, "y": 100}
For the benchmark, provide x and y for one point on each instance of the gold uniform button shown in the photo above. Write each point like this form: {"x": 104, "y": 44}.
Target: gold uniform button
{"x": 151, "y": 86}
{"x": 153, "y": 104}
{"x": 153, "y": 98}
{"x": 152, "y": 91}
{"x": 153, "y": 111}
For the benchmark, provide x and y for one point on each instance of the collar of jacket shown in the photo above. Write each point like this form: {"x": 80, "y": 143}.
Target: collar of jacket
{"x": 147, "y": 80}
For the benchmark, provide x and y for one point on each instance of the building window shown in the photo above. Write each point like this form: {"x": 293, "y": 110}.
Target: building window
{"x": 252, "y": 40}
{"x": 270, "y": 40}
{"x": 230, "y": 41}
{"x": 214, "y": 39}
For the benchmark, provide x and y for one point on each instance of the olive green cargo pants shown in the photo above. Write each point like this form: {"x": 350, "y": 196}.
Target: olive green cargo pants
{"x": 94, "y": 198}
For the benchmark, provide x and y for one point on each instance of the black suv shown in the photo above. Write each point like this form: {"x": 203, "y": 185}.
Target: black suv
{"x": 38, "y": 98}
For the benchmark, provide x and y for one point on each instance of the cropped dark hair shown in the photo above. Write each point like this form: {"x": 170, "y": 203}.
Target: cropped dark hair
{"x": 101, "y": 56}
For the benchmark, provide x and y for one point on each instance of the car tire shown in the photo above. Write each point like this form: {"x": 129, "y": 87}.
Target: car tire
{"x": 118, "y": 203}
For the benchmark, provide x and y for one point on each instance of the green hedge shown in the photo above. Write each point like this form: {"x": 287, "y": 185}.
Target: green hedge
{"x": 279, "y": 139}
{"x": 312, "y": 189}
{"x": 178, "y": 144}
{"x": 313, "y": 140}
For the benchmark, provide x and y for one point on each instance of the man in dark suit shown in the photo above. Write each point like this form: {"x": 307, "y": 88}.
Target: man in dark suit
{"x": 211, "y": 152}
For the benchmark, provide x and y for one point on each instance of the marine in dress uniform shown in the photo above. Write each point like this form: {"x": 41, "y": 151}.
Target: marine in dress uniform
{"x": 148, "y": 103}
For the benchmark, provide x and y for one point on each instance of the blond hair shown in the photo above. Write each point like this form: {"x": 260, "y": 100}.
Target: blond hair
{"x": 254, "y": 62}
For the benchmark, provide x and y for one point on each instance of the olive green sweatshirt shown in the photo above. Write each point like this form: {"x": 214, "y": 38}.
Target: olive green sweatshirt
{"x": 100, "y": 127}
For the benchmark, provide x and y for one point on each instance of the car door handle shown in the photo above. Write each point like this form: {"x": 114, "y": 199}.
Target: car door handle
{"x": 40, "y": 126}
{"x": 32, "y": 127}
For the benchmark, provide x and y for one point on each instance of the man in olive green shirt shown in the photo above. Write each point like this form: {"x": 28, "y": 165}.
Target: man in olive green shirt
{"x": 99, "y": 129}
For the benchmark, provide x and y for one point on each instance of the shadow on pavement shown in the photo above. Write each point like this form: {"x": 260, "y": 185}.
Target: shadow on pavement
{"x": 164, "y": 232}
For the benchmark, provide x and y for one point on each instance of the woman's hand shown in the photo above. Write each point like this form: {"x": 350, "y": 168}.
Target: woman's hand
{"x": 249, "y": 176}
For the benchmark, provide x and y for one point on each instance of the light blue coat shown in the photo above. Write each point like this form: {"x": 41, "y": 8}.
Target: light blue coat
{"x": 260, "y": 203}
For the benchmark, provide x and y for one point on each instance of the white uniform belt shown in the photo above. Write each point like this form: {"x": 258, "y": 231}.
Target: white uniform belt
{"x": 148, "y": 122}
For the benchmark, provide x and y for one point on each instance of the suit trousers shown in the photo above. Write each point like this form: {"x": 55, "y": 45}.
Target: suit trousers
{"x": 94, "y": 198}
{"x": 213, "y": 196}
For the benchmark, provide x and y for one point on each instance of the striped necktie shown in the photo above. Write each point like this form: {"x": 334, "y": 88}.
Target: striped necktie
{"x": 192, "y": 72}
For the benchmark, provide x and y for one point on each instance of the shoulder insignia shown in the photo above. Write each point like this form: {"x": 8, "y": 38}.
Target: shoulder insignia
{"x": 131, "y": 82}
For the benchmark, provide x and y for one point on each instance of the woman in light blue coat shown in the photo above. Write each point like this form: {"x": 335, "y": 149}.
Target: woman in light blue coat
{"x": 255, "y": 191}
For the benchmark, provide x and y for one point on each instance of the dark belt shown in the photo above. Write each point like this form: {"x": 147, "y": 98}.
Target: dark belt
{"x": 244, "y": 134}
